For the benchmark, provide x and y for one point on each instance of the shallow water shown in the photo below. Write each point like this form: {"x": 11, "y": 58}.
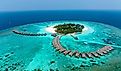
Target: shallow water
{"x": 18, "y": 52}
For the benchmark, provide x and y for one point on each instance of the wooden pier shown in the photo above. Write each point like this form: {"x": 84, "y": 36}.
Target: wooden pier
{"x": 100, "y": 52}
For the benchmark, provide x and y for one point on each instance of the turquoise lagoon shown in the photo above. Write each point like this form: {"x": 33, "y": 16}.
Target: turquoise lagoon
{"x": 18, "y": 52}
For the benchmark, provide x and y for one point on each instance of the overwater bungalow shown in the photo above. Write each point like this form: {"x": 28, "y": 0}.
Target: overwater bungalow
{"x": 83, "y": 55}
{"x": 66, "y": 52}
{"x": 70, "y": 54}
{"x": 77, "y": 54}
{"x": 100, "y": 53}
{"x": 62, "y": 50}
{"x": 94, "y": 54}
{"x": 89, "y": 55}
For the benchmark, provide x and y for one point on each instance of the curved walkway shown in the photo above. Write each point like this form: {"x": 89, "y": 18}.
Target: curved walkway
{"x": 101, "y": 52}
{"x": 27, "y": 34}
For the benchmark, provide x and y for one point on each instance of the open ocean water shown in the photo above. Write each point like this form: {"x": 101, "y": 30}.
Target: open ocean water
{"x": 19, "y": 52}
{"x": 9, "y": 19}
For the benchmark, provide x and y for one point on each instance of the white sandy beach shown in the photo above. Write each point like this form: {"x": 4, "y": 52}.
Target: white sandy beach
{"x": 50, "y": 29}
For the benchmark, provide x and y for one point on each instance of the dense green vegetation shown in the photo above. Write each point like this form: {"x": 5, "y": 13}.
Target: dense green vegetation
{"x": 68, "y": 28}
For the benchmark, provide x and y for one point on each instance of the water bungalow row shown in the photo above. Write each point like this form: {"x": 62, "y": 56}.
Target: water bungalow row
{"x": 28, "y": 34}
{"x": 101, "y": 52}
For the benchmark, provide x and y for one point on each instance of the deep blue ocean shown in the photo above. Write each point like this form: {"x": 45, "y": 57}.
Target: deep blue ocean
{"x": 11, "y": 19}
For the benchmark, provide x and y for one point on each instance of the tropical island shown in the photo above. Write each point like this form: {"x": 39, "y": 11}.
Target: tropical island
{"x": 68, "y": 28}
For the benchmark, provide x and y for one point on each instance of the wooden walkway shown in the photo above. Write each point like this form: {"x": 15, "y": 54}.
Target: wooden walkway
{"x": 27, "y": 34}
{"x": 101, "y": 52}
